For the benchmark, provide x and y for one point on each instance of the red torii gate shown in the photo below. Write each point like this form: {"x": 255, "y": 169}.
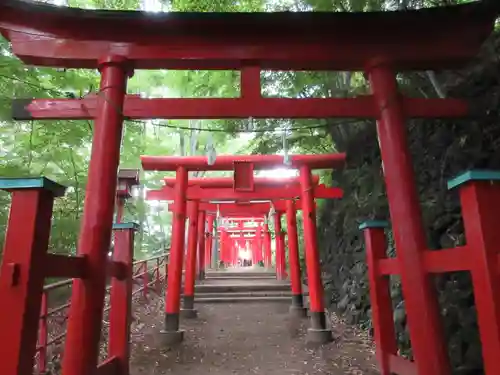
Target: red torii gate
{"x": 280, "y": 207}
{"x": 246, "y": 189}
{"x": 45, "y": 35}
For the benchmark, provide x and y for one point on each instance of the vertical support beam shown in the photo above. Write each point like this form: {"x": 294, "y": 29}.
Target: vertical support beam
{"x": 209, "y": 241}
{"x": 267, "y": 246}
{"x": 172, "y": 334}
{"x": 188, "y": 310}
{"x": 258, "y": 244}
{"x": 120, "y": 207}
{"x": 22, "y": 271}
{"x": 480, "y": 198}
{"x": 87, "y": 300}
{"x": 420, "y": 298}
{"x": 318, "y": 331}
{"x": 280, "y": 247}
{"x": 380, "y": 295}
{"x": 216, "y": 245}
{"x": 201, "y": 244}
{"x": 297, "y": 307}
{"x": 121, "y": 297}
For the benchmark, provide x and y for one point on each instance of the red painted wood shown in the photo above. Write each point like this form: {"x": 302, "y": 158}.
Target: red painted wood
{"x": 448, "y": 260}
{"x": 480, "y": 206}
{"x": 226, "y": 162}
{"x": 274, "y": 41}
{"x": 192, "y": 246}
{"x": 280, "y": 247}
{"x": 174, "y": 277}
{"x": 293, "y": 248}
{"x": 381, "y": 303}
{"x": 209, "y": 240}
{"x": 420, "y": 297}
{"x": 226, "y": 182}
{"x": 315, "y": 285}
{"x": 259, "y": 193}
{"x": 43, "y": 337}
{"x": 201, "y": 244}
{"x": 243, "y": 176}
{"x": 245, "y": 210}
{"x": 22, "y": 278}
{"x": 267, "y": 246}
{"x": 362, "y": 107}
{"x": 87, "y": 301}
{"x": 121, "y": 301}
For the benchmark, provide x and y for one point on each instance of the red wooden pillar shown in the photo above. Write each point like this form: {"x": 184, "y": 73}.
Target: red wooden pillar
{"x": 297, "y": 307}
{"x": 267, "y": 246}
{"x": 480, "y": 198}
{"x": 87, "y": 301}
{"x": 420, "y": 297}
{"x": 172, "y": 334}
{"x": 188, "y": 310}
{"x": 380, "y": 296}
{"x": 121, "y": 297}
{"x": 280, "y": 247}
{"x": 258, "y": 244}
{"x": 201, "y": 245}
{"x": 318, "y": 331}
{"x": 22, "y": 272}
{"x": 209, "y": 241}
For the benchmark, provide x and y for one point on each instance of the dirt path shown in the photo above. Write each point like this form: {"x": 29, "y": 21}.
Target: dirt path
{"x": 246, "y": 339}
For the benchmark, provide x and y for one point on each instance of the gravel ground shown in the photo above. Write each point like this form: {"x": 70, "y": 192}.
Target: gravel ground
{"x": 245, "y": 339}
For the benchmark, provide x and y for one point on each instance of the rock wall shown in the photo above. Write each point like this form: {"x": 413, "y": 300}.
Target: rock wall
{"x": 441, "y": 150}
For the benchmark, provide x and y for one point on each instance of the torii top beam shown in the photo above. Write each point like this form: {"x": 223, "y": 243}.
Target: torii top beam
{"x": 228, "y": 209}
{"x": 259, "y": 193}
{"x": 227, "y": 182}
{"x": 229, "y": 162}
{"x": 43, "y": 34}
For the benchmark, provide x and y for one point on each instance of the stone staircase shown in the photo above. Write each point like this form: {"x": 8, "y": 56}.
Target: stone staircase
{"x": 242, "y": 286}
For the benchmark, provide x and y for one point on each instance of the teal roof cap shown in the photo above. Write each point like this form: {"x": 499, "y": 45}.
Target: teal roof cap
{"x": 373, "y": 224}
{"x": 473, "y": 175}
{"x": 131, "y": 225}
{"x": 12, "y": 184}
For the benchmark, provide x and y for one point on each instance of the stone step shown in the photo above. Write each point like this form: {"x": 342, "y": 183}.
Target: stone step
{"x": 260, "y": 299}
{"x": 236, "y": 273}
{"x": 241, "y": 277}
{"x": 270, "y": 293}
{"x": 228, "y": 288}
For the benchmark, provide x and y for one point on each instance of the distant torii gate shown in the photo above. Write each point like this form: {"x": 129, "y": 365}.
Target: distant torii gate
{"x": 245, "y": 189}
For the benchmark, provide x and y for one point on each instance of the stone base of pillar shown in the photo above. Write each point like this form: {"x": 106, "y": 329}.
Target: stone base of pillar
{"x": 298, "y": 311}
{"x": 319, "y": 336}
{"x": 319, "y": 333}
{"x": 170, "y": 338}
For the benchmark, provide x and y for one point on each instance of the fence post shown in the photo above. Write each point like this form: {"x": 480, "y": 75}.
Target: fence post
{"x": 480, "y": 199}
{"x": 121, "y": 296}
{"x": 42, "y": 336}
{"x": 22, "y": 271}
{"x": 380, "y": 296}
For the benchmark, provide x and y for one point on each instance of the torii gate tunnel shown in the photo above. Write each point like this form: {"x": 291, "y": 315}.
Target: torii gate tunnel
{"x": 216, "y": 187}
{"x": 384, "y": 43}
{"x": 246, "y": 187}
